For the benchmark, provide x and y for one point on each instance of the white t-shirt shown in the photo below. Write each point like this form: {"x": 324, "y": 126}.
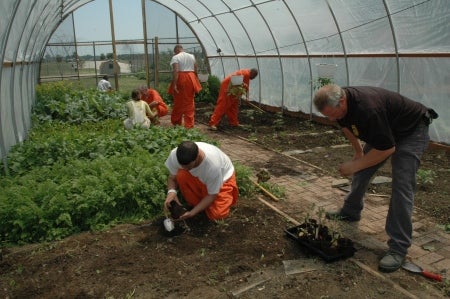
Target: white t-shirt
{"x": 215, "y": 169}
{"x": 185, "y": 61}
{"x": 104, "y": 85}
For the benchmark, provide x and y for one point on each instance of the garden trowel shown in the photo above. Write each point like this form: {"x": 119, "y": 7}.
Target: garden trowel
{"x": 411, "y": 267}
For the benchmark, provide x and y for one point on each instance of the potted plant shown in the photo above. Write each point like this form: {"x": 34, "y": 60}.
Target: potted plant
{"x": 321, "y": 81}
{"x": 325, "y": 73}
{"x": 320, "y": 239}
{"x": 238, "y": 91}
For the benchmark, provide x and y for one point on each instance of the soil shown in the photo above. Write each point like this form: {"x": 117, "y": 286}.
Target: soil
{"x": 248, "y": 255}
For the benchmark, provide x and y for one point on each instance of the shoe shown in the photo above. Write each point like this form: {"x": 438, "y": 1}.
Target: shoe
{"x": 391, "y": 262}
{"x": 339, "y": 215}
{"x": 213, "y": 128}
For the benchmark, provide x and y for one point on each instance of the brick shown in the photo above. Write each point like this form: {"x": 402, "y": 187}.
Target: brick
{"x": 430, "y": 258}
{"x": 443, "y": 265}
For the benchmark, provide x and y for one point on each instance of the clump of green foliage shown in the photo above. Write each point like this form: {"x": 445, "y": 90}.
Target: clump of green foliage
{"x": 425, "y": 176}
{"x": 321, "y": 81}
{"x": 63, "y": 101}
{"x": 277, "y": 190}
{"x": 79, "y": 169}
{"x": 214, "y": 86}
{"x": 210, "y": 90}
{"x": 243, "y": 179}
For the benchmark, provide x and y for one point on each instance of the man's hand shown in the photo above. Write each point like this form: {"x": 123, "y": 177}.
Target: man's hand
{"x": 186, "y": 215}
{"x": 170, "y": 197}
{"x": 347, "y": 168}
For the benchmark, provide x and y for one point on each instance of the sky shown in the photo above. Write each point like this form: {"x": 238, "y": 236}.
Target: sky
{"x": 92, "y": 23}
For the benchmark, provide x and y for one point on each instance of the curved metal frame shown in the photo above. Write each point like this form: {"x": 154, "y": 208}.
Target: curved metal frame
{"x": 394, "y": 37}
{"x": 54, "y": 12}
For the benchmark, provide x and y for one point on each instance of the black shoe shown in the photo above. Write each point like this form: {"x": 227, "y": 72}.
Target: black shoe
{"x": 339, "y": 215}
{"x": 391, "y": 262}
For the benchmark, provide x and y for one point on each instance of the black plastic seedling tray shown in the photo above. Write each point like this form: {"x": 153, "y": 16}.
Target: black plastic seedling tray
{"x": 343, "y": 250}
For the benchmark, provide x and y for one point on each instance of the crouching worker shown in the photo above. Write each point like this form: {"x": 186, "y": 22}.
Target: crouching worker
{"x": 137, "y": 112}
{"x": 205, "y": 177}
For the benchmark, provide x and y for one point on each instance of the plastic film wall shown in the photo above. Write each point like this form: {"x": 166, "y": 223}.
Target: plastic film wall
{"x": 398, "y": 45}
{"x": 25, "y": 27}
{"x": 401, "y": 45}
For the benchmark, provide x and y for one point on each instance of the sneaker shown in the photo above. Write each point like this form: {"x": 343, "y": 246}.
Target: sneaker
{"x": 213, "y": 128}
{"x": 339, "y": 215}
{"x": 391, "y": 262}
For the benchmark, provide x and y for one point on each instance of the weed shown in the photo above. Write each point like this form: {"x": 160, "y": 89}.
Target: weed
{"x": 278, "y": 191}
{"x": 425, "y": 177}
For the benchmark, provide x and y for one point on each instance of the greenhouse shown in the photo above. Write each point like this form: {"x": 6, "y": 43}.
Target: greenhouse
{"x": 399, "y": 45}
{"x": 238, "y": 169}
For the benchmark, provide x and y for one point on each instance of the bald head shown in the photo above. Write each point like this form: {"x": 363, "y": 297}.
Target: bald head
{"x": 177, "y": 49}
{"x": 253, "y": 73}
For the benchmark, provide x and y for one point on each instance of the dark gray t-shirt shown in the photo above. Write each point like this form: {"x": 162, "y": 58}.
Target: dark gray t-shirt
{"x": 380, "y": 117}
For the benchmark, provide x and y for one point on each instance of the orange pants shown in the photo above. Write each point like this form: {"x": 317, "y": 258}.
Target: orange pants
{"x": 194, "y": 191}
{"x": 183, "y": 100}
{"x": 162, "y": 109}
{"x": 228, "y": 105}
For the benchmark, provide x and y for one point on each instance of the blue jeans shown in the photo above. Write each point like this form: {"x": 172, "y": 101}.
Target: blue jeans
{"x": 405, "y": 162}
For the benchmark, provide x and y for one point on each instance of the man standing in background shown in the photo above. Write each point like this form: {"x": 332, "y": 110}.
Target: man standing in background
{"x": 184, "y": 86}
{"x": 104, "y": 84}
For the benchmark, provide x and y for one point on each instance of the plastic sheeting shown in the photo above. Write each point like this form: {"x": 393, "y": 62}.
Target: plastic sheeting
{"x": 25, "y": 28}
{"x": 401, "y": 45}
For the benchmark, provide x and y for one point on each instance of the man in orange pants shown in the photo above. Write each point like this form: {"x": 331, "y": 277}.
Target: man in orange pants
{"x": 228, "y": 102}
{"x": 184, "y": 86}
{"x": 154, "y": 101}
{"x": 205, "y": 177}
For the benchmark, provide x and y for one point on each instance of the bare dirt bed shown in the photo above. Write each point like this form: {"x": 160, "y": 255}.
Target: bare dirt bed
{"x": 245, "y": 256}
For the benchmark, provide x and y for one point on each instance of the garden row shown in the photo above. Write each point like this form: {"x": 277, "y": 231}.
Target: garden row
{"x": 80, "y": 170}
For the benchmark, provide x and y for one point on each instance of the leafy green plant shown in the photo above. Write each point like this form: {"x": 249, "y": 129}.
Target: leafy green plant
{"x": 321, "y": 81}
{"x": 204, "y": 95}
{"x": 314, "y": 225}
{"x": 425, "y": 177}
{"x": 62, "y": 101}
{"x": 278, "y": 123}
{"x": 237, "y": 90}
{"x": 214, "y": 86}
{"x": 243, "y": 179}
{"x": 51, "y": 143}
{"x": 277, "y": 190}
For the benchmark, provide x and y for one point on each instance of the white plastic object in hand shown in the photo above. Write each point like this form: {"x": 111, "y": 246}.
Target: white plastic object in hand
{"x": 168, "y": 224}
